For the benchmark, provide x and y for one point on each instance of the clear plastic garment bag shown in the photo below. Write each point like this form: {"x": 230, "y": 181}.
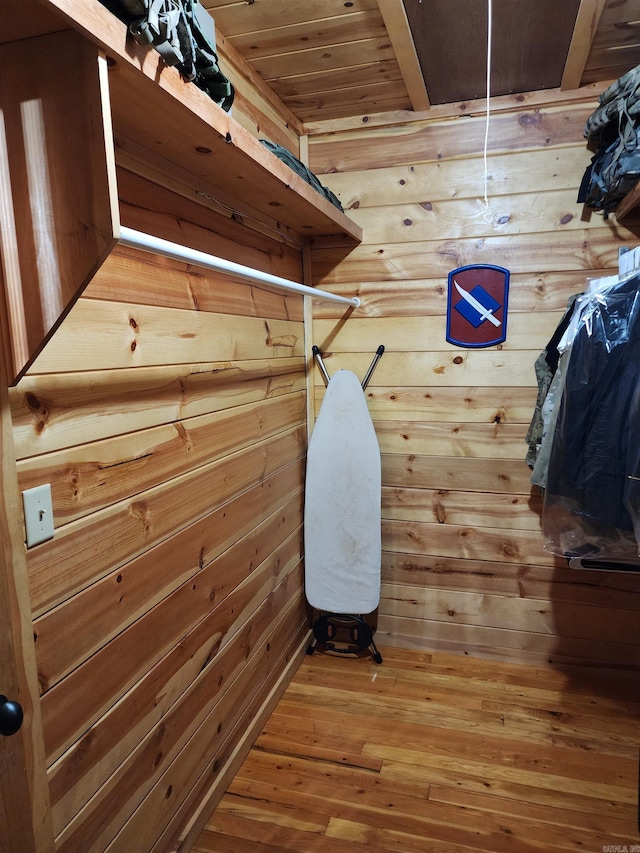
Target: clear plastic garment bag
{"x": 592, "y": 481}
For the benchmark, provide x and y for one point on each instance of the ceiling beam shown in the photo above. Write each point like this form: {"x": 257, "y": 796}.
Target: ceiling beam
{"x": 584, "y": 30}
{"x": 397, "y": 24}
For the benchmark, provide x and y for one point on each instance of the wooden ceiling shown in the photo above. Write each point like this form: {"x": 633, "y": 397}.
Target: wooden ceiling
{"x": 451, "y": 42}
{"x": 329, "y": 59}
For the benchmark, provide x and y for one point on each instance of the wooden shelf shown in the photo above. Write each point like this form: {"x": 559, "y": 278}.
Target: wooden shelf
{"x": 94, "y": 99}
{"x": 180, "y": 134}
{"x": 58, "y": 189}
{"x": 628, "y": 203}
{"x": 172, "y": 130}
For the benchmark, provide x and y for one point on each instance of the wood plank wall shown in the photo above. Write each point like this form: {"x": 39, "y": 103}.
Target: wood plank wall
{"x": 169, "y": 415}
{"x": 464, "y": 567}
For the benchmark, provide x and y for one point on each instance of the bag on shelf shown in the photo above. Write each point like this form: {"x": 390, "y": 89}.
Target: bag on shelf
{"x": 183, "y": 33}
{"x": 208, "y": 77}
{"x": 614, "y": 169}
{"x": 305, "y": 172}
{"x": 613, "y": 132}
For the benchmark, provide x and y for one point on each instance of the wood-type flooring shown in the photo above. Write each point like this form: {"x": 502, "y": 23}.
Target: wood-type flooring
{"x": 428, "y": 753}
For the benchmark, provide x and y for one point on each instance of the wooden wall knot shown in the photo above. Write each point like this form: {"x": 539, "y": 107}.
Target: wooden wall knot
{"x": 141, "y": 512}
{"x": 529, "y": 119}
{"x": 440, "y": 513}
{"x": 40, "y": 410}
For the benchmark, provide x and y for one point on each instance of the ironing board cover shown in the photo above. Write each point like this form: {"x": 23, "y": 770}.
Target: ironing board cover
{"x": 342, "y": 503}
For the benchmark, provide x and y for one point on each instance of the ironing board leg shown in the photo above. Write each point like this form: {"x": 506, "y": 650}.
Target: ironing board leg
{"x": 374, "y": 651}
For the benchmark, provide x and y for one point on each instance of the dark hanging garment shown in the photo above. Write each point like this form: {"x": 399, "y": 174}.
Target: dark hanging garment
{"x": 586, "y": 509}
{"x": 552, "y": 356}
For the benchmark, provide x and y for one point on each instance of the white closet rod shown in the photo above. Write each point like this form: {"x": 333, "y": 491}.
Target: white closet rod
{"x": 137, "y": 240}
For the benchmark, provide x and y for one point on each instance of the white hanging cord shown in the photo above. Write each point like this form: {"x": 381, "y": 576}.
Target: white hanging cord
{"x": 486, "y": 130}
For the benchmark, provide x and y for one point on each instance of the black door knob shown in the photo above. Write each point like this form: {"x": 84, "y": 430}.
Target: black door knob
{"x": 11, "y": 716}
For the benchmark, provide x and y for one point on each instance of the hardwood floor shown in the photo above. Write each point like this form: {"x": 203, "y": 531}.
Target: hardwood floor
{"x": 428, "y": 753}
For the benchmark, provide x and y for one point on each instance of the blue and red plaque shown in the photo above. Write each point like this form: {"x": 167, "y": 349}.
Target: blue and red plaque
{"x": 477, "y": 299}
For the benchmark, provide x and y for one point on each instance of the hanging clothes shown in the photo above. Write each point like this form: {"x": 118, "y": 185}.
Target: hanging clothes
{"x": 549, "y": 415}
{"x": 589, "y": 505}
{"x": 546, "y": 366}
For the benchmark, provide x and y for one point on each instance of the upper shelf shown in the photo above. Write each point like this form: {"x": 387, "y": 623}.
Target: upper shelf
{"x": 58, "y": 192}
{"x": 629, "y": 202}
{"x": 181, "y": 137}
{"x": 94, "y": 99}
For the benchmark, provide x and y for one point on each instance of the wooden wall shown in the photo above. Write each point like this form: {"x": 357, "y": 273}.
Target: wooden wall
{"x": 169, "y": 415}
{"x": 464, "y": 568}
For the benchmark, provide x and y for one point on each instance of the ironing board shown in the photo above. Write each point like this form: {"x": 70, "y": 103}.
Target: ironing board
{"x": 342, "y": 533}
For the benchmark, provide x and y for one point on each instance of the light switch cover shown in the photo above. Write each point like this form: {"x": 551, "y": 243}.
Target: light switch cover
{"x": 38, "y": 514}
